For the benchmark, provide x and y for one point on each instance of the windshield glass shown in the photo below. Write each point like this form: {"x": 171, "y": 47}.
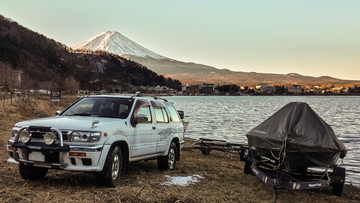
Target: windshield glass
{"x": 101, "y": 107}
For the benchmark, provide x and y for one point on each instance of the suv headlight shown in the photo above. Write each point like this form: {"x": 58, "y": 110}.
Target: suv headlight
{"x": 49, "y": 138}
{"x": 24, "y": 136}
{"x": 80, "y": 136}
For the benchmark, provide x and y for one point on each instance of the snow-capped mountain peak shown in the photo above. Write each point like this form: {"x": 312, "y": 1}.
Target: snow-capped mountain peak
{"x": 116, "y": 43}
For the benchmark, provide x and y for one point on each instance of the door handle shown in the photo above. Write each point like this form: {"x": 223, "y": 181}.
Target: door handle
{"x": 154, "y": 128}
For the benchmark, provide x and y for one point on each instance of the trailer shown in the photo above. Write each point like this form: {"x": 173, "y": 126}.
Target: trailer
{"x": 277, "y": 175}
{"x": 206, "y": 145}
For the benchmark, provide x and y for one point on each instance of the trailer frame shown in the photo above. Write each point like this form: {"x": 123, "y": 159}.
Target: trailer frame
{"x": 281, "y": 179}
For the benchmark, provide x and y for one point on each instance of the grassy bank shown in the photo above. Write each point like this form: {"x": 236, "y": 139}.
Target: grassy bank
{"x": 224, "y": 180}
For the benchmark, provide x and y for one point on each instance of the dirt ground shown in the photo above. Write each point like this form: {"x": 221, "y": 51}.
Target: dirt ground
{"x": 224, "y": 179}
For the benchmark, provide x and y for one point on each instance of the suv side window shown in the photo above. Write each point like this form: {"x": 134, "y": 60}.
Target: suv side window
{"x": 174, "y": 114}
{"x": 161, "y": 115}
{"x": 145, "y": 110}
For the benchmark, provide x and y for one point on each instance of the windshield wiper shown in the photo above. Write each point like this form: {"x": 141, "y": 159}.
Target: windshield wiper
{"x": 108, "y": 116}
{"x": 79, "y": 114}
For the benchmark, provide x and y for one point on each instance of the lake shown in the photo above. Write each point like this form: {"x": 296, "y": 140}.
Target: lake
{"x": 231, "y": 117}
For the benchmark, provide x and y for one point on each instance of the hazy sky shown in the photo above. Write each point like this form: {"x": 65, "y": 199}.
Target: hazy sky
{"x": 309, "y": 37}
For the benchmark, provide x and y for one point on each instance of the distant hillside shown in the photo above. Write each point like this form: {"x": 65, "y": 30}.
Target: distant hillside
{"x": 46, "y": 63}
{"x": 193, "y": 73}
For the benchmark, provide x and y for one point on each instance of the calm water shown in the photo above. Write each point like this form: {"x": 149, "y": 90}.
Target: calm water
{"x": 231, "y": 117}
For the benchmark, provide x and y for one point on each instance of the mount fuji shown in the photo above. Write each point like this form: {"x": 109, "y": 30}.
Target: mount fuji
{"x": 192, "y": 73}
{"x": 116, "y": 43}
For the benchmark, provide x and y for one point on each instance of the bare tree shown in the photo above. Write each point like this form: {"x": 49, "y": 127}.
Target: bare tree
{"x": 71, "y": 85}
{"x": 5, "y": 76}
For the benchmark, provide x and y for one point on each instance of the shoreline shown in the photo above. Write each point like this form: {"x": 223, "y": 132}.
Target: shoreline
{"x": 224, "y": 179}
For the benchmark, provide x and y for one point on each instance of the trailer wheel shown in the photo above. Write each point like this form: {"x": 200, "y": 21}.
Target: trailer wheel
{"x": 243, "y": 154}
{"x": 29, "y": 172}
{"x": 247, "y": 168}
{"x": 338, "y": 181}
{"x": 206, "y": 151}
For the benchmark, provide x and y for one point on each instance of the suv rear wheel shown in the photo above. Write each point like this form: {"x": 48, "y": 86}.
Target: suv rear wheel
{"x": 168, "y": 162}
{"x": 111, "y": 173}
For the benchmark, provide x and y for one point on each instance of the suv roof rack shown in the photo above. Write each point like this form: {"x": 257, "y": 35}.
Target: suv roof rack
{"x": 155, "y": 97}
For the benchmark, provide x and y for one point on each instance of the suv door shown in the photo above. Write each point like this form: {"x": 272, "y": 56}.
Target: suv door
{"x": 163, "y": 126}
{"x": 142, "y": 142}
{"x": 174, "y": 117}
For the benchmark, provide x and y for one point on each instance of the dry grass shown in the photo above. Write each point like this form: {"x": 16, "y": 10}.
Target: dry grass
{"x": 224, "y": 179}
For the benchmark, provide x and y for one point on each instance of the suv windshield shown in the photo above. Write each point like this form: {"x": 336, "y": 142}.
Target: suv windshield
{"x": 101, "y": 107}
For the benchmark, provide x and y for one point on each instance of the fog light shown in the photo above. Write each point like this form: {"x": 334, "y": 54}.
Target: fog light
{"x": 24, "y": 136}
{"x": 49, "y": 138}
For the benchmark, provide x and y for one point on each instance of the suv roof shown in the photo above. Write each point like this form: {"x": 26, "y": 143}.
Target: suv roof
{"x": 131, "y": 97}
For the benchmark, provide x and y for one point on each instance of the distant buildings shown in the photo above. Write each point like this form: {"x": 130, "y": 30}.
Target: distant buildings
{"x": 267, "y": 89}
{"x": 339, "y": 90}
{"x": 211, "y": 89}
{"x": 206, "y": 88}
{"x": 296, "y": 89}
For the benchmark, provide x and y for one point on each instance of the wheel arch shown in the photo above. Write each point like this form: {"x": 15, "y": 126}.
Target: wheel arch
{"x": 177, "y": 143}
{"x": 124, "y": 150}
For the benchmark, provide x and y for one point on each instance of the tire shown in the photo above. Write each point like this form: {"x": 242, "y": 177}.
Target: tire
{"x": 243, "y": 154}
{"x": 206, "y": 151}
{"x": 168, "y": 162}
{"x": 111, "y": 173}
{"x": 29, "y": 172}
{"x": 338, "y": 181}
{"x": 247, "y": 168}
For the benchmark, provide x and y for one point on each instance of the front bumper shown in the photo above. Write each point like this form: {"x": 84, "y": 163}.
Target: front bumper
{"x": 76, "y": 158}
{"x": 60, "y": 156}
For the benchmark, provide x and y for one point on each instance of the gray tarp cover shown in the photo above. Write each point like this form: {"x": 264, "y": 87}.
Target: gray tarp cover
{"x": 306, "y": 132}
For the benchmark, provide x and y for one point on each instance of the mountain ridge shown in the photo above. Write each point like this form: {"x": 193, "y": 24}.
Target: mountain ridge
{"x": 48, "y": 64}
{"x": 194, "y": 73}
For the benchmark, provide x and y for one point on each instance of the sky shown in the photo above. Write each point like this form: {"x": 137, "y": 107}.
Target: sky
{"x": 309, "y": 37}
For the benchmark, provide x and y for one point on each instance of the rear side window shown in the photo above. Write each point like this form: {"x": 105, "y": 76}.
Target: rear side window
{"x": 161, "y": 115}
{"x": 173, "y": 113}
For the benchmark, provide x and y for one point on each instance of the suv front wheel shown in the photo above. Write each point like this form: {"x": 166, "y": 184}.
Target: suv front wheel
{"x": 168, "y": 162}
{"x": 29, "y": 172}
{"x": 111, "y": 172}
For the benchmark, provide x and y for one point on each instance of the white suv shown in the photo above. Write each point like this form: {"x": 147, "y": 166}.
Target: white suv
{"x": 100, "y": 134}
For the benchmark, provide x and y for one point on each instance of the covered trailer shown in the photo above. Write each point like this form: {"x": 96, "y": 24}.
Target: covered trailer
{"x": 287, "y": 144}
{"x": 296, "y": 130}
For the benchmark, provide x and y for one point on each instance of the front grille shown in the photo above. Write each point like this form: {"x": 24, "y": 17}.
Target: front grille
{"x": 66, "y": 135}
{"x": 37, "y": 134}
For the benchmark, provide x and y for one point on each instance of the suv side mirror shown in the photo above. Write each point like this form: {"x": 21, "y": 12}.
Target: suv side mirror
{"x": 181, "y": 113}
{"x": 141, "y": 118}
{"x": 58, "y": 112}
